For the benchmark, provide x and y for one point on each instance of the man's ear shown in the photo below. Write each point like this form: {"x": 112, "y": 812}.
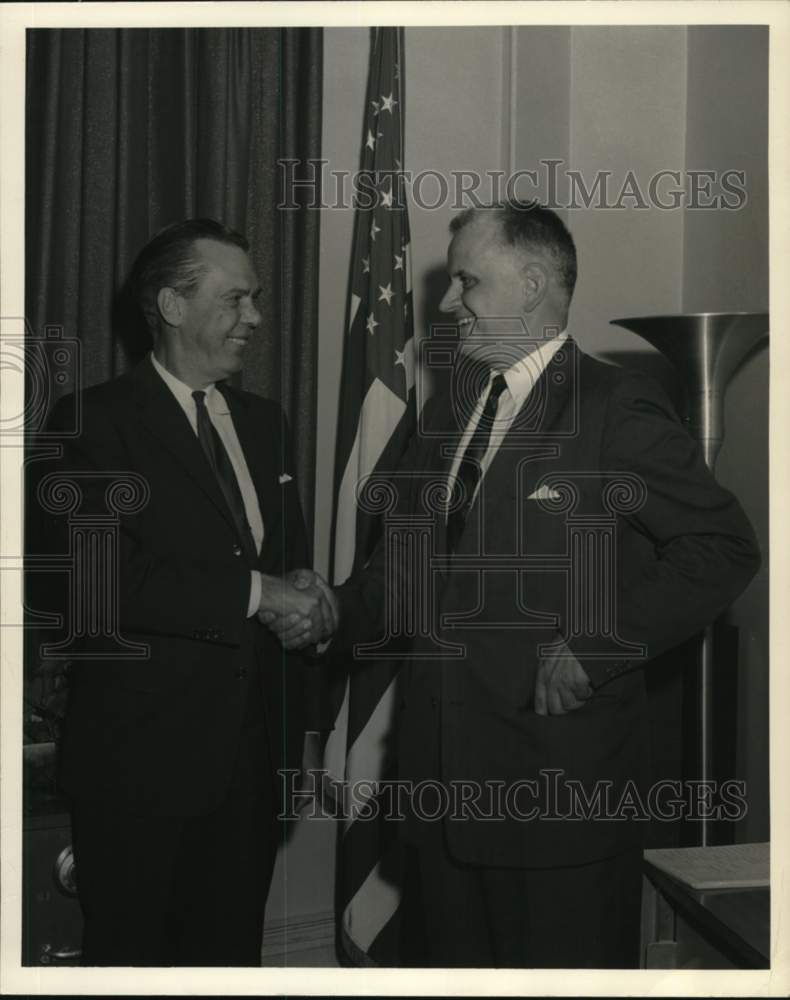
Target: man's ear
{"x": 536, "y": 283}
{"x": 170, "y": 306}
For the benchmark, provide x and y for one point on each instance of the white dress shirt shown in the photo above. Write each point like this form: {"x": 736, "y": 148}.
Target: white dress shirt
{"x": 520, "y": 380}
{"x": 220, "y": 417}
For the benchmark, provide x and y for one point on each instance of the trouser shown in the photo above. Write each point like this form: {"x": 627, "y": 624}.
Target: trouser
{"x": 187, "y": 891}
{"x": 575, "y": 917}
{"x": 474, "y": 916}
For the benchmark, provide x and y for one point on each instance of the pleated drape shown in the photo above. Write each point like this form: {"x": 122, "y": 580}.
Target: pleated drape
{"x": 131, "y": 129}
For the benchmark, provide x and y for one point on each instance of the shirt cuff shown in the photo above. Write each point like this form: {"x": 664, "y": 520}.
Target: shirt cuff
{"x": 255, "y": 593}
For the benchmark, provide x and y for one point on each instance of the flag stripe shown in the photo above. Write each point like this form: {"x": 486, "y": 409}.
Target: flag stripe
{"x": 364, "y": 701}
{"x": 370, "y": 851}
{"x": 386, "y": 942}
{"x": 374, "y": 903}
{"x": 380, "y": 404}
{"x": 370, "y": 750}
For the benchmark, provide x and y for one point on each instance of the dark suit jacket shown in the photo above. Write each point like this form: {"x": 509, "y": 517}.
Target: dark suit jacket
{"x": 681, "y": 550}
{"x": 160, "y": 735}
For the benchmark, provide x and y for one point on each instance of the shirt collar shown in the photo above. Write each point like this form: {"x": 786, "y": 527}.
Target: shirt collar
{"x": 215, "y": 401}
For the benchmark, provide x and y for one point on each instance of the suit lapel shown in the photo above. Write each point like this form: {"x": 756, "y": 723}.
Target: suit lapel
{"x": 164, "y": 418}
{"x": 558, "y": 386}
{"x": 550, "y": 395}
{"x": 260, "y": 453}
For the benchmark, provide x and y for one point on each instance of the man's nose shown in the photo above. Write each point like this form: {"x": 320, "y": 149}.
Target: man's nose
{"x": 451, "y": 301}
{"x": 251, "y": 316}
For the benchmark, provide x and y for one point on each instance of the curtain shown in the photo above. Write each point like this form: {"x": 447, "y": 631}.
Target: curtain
{"x": 129, "y": 130}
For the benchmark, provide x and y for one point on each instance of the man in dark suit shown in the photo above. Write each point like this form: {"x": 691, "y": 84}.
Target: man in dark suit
{"x": 169, "y": 762}
{"x": 581, "y": 535}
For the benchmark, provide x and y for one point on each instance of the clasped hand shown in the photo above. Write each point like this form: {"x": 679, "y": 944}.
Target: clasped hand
{"x": 561, "y": 685}
{"x": 300, "y": 609}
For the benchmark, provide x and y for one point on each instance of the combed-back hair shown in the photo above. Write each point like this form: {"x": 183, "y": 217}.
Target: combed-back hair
{"x": 531, "y": 226}
{"x": 169, "y": 261}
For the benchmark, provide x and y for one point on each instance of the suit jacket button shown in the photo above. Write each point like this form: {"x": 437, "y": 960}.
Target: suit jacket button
{"x": 236, "y": 550}
{"x": 241, "y": 672}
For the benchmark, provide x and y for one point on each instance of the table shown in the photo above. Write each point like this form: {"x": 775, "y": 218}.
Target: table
{"x": 687, "y": 927}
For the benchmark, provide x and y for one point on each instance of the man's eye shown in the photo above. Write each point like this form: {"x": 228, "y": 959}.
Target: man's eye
{"x": 467, "y": 283}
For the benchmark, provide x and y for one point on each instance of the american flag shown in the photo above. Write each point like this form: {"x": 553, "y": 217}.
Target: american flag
{"x": 377, "y": 417}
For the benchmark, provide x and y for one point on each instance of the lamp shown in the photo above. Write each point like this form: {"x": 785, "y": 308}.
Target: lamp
{"x": 706, "y": 349}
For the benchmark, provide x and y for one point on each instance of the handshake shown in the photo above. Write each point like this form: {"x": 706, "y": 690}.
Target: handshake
{"x": 301, "y": 608}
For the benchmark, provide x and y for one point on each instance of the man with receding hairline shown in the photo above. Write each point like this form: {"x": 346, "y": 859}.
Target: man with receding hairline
{"x": 548, "y": 696}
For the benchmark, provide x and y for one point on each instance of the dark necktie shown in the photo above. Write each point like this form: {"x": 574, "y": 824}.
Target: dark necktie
{"x": 223, "y": 469}
{"x": 469, "y": 469}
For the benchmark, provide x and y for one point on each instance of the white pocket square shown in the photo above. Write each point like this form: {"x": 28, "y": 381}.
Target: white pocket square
{"x": 285, "y": 478}
{"x": 544, "y": 493}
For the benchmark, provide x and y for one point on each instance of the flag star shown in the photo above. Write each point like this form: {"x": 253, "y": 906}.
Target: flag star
{"x": 397, "y": 71}
{"x": 388, "y": 103}
{"x": 371, "y": 141}
{"x": 398, "y": 262}
{"x": 376, "y": 107}
{"x": 365, "y": 265}
{"x": 397, "y": 163}
{"x": 371, "y": 324}
{"x": 399, "y": 359}
{"x": 386, "y": 293}
{"x": 374, "y": 229}
{"x": 386, "y": 199}
{"x": 405, "y": 309}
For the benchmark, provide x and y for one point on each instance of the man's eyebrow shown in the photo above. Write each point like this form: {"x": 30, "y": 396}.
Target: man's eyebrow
{"x": 231, "y": 292}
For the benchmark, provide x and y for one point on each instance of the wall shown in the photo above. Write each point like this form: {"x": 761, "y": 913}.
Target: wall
{"x": 725, "y": 268}
{"x": 627, "y": 112}
{"x": 725, "y": 254}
